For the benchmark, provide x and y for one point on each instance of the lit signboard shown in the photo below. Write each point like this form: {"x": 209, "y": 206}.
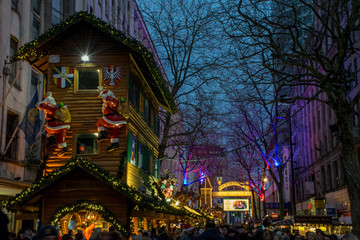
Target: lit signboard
{"x": 236, "y": 204}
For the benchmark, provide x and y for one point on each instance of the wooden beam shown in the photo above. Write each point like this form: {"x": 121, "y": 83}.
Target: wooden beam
{"x": 27, "y": 216}
{"x": 143, "y": 214}
{"x": 26, "y": 208}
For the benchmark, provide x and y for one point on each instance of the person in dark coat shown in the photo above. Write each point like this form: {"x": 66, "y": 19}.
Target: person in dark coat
{"x": 163, "y": 235}
{"x": 210, "y": 233}
{"x": 4, "y": 221}
{"x": 232, "y": 234}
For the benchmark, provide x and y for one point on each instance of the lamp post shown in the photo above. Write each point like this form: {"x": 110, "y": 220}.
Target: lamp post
{"x": 263, "y": 184}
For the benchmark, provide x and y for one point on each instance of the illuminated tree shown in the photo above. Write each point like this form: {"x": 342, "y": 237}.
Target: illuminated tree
{"x": 185, "y": 34}
{"x": 305, "y": 44}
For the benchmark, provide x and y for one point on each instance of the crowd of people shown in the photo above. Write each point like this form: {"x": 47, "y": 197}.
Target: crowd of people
{"x": 211, "y": 231}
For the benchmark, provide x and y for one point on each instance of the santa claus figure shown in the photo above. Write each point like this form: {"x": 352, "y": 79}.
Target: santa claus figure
{"x": 112, "y": 120}
{"x": 54, "y": 126}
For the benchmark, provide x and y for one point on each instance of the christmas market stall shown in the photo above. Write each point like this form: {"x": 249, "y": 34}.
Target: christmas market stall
{"x": 82, "y": 196}
{"x": 102, "y": 93}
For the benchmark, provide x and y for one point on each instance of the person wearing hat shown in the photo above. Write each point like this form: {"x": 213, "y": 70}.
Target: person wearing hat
{"x": 47, "y": 232}
{"x": 188, "y": 232}
{"x": 210, "y": 233}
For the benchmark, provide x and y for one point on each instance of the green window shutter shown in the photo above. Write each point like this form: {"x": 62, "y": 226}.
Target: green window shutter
{"x": 128, "y": 147}
{"x": 137, "y": 152}
{"x": 137, "y": 98}
{"x": 149, "y": 118}
{"x": 131, "y": 89}
{"x": 158, "y": 168}
{"x": 156, "y": 125}
{"x": 146, "y": 158}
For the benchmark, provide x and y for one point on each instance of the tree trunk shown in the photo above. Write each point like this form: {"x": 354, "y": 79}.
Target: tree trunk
{"x": 254, "y": 204}
{"x": 264, "y": 206}
{"x": 351, "y": 166}
{"x": 281, "y": 195}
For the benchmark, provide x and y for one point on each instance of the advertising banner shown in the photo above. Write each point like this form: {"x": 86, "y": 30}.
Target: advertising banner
{"x": 236, "y": 204}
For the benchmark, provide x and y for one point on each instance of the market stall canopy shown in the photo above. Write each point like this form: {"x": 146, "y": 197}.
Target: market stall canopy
{"x": 27, "y": 200}
{"x": 282, "y": 222}
{"x": 37, "y": 52}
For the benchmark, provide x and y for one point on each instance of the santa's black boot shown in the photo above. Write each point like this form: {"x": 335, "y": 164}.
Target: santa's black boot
{"x": 113, "y": 147}
{"x": 102, "y": 136}
{"x": 51, "y": 141}
{"x": 62, "y": 152}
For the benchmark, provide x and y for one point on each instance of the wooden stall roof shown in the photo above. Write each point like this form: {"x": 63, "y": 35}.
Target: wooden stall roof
{"x": 36, "y": 52}
{"x": 29, "y": 196}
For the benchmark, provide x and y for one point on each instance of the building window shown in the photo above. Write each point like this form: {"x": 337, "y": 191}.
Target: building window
{"x": 113, "y": 12}
{"x": 156, "y": 125}
{"x": 11, "y": 124}
{"x": 34, "y": 81}
{"x": 14, "y": 64}
{"x": 314, "y": 125}
{"x": 318, "y": 119}
{"x": 86, "y": 143}
{"x": 335, "y": 169}
{"x": 36, "y": 28}
{"x": 36, "y": 6}
{"x": 350, "y": 79}
{"x": 355, "y": 71}
{"x": 56, "y": 12}
{"x": 15, "y": 4}
{"x": 107, "y": 8}
{"x": 146, "y": 112}
{"x": 313, "y": 95}
{"x": 323, "y": 180}
{"x": 329, "y": 178}
{"x": 323, "y": 114}
{"x": 87, "y": 79}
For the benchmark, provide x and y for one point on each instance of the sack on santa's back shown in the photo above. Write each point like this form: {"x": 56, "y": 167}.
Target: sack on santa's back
{"x": 62, "y": 113}
{"x": 123, "y": 108}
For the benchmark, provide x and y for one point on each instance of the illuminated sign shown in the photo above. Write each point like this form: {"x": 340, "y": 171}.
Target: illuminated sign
{"x": 232, "y": 194}
{"x": 236, "y": 204}
{"x": 233, "y": 183}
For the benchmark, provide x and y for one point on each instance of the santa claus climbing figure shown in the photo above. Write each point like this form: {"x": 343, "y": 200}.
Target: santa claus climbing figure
{"x": 112, "y": 120}
{"x": 57, "y": 122}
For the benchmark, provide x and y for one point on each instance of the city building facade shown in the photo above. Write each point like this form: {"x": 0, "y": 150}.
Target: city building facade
{"x": 319, "y": 173}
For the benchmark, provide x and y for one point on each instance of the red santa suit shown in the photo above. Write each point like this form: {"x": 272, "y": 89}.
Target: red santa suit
{"x": 111, "y": 119}
{"x": 52, "y": 125}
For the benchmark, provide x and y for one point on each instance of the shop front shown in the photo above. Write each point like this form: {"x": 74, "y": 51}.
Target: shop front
{"x": 310, "y": 223}
{"x": 82, "y": 196}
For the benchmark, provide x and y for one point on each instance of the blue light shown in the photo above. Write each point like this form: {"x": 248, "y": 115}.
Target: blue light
{"x": 202, "y": 177}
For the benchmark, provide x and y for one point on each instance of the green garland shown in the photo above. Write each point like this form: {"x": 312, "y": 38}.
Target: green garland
{"x": 29, "y": 49}
{"x": 123, "y": 157}
{"x": 145, "y": 202}
{"x": 69, "y": 166}
{"x": 90, "y": 206}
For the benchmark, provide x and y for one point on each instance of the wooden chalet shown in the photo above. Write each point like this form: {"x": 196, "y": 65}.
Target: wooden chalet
{"x": 91, "y": 183}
